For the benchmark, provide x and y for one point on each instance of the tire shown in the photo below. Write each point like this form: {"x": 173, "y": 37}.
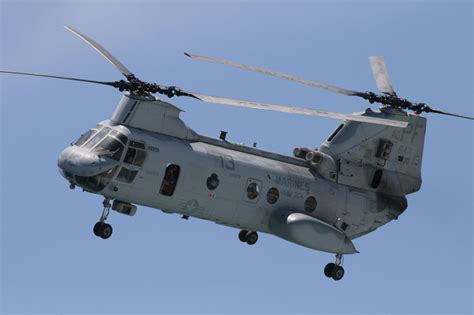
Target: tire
{"x": 252, "y": 238}
{"x": 328, "y": 270}
{"x": 97, "y": 228}
{"x": 338, "y": 273}
{"x": 106, "y": 231}
{"x": 243, "y": 236}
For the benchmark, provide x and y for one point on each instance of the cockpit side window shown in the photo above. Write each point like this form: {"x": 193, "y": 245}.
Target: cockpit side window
{"x": 127, "y": 176}
{"x": 135, "y": 154}
{"x": 97, "y": 182}
{"x": 99, "y": 136}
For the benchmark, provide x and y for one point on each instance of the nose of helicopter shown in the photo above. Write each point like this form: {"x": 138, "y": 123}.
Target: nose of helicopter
{"x": 81, "y": 162}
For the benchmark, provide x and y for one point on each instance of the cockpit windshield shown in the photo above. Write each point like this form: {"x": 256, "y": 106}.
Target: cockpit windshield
{"x": 110, "y": 147}
{"x": 98, "y": 136}
{"x": 105, "y": 141}
{"x": 85, "y": 137}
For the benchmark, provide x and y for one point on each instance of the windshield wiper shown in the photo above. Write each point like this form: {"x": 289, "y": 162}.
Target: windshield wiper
{"x": 106, "y": 153}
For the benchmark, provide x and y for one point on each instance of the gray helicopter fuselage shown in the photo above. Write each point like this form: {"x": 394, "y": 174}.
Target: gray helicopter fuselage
{"x": 179, "y": 171}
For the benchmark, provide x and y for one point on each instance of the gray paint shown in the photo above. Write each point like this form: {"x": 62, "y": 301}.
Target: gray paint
{"x": 347, "y": 207}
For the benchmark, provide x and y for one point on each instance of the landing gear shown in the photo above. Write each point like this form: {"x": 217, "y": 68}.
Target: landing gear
{"x": 102, "y": 229}
{"x": 328, "y": 270}
{"x": 335, "y": 270}
{"x": 249, "y": 237}
{"x": 243, "y": 236}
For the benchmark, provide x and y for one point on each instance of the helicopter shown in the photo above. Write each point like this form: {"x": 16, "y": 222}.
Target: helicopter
{"x": 321, "y": 198}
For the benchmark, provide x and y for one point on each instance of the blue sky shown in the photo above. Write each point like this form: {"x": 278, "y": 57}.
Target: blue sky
{"x": 157, "y": 263}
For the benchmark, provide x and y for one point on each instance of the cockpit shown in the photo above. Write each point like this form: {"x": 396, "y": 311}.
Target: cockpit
{"x": 104, "y": 141}
{"x": 93, "y": 159}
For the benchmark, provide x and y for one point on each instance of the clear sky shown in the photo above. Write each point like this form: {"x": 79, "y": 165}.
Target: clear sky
{"x": 157, "y": 263}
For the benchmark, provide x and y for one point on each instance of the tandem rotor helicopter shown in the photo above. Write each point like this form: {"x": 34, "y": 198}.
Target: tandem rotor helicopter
{"x": 323, "y": 198}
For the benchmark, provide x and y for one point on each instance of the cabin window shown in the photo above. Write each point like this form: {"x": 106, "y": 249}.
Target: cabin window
{"x": 212, "y": 181}
{"x": 135, "y": 154}
{"x": 127, "y": 176}
{"x": 272, "y": 195}
{"x": 170, "y": 180}
{"x": 385, "y": 148}
{"x": 310, "y": 204}
{"x": 253, "y": 190}
{"x": 335, "y": 132}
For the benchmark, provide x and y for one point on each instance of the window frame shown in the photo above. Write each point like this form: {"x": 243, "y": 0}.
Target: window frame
{"x": 259, "y": 188}
{"x": 139, "y": 149}
{"x": 275, "y": 195}
{"x": 171, "y": 183}
{"x": 130, "y": 171}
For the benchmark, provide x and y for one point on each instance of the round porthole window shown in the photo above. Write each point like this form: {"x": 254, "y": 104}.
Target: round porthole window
{"x": 212, "y": 181}
{"x": 310, "y": 204}
{"x": 252, "y": 191}
{"x": 273, "y": 195}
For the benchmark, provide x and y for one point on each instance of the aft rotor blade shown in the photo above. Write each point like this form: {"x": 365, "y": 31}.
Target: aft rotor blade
{"x": 58, "y": 77}
{"x": 324, "y": 86}
{"x": 101, "y": 50}
{"x": 380, "y": 73}
{"x": 431, "y": 110}
{"x": 297, "y": 110}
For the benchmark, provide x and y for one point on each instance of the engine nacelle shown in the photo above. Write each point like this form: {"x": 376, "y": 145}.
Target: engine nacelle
{"x": 301, "y": 152}
{"x": 322, "y": 163}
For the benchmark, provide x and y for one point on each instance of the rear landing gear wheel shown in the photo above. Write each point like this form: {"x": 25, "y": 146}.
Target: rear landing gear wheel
{"x": 243, "y": 236}
{"x": 335, "y": 270}
{"x": 328, "y": 270}
{"x": 251, "y": 238}
{"x": 338, "y": 273}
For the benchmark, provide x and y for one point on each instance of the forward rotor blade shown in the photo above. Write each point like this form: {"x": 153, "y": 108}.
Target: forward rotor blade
{"x": 101, "y": 50}
{"x": 58, "y": 77}
{"x": 431, "y": 110}
{"x": 324, "y": 86}
{"x": 297, "y": 110}
{"x": 380, "y": 73}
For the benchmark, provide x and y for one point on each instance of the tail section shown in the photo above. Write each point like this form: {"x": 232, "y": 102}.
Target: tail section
{"x": 379, "y": 158}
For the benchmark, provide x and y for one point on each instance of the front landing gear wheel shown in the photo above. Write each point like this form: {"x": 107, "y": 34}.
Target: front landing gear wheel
{"x": 97, "y": 229}
{"x": 338, "y": 273}
{"x": 103, "y": 230}
{"x": 328, "y": 270}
